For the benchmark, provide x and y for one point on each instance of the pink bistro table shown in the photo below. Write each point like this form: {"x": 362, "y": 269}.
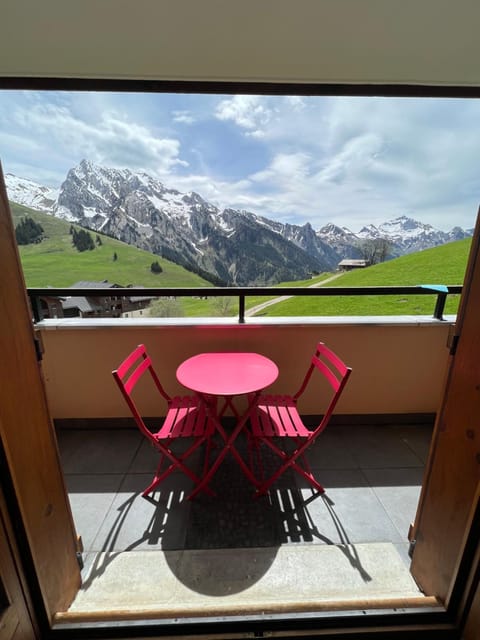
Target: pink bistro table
{"x": 226, "y": 375}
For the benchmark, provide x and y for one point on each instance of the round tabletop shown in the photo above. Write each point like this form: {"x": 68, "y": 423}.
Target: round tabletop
{"x": 227, "y": 373}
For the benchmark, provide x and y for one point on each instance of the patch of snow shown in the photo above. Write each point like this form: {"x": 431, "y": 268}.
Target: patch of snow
{"x": 65, "y": 214}
{"x": 91, "y": 212}
{"x": 29, "y": 193}
{"x": 140, "y": 224}
{"x": 171, "y": 206}
{"x": 198, "y": 250}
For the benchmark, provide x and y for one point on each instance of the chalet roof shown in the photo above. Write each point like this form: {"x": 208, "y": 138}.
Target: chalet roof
{"x": 85, "y": 305}
{"x": 353, "y": 263}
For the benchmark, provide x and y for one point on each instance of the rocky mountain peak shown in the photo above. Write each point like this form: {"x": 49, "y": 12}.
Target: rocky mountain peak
{"x": 232, "y": 246}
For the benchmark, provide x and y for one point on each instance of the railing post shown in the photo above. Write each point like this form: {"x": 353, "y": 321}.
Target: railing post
{"x": 241, "y": 308}
{"x": 440, "y": 306}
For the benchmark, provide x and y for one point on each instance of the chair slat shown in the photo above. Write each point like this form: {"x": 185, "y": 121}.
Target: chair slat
{"x": 136, "y": 354}
{"x": 266, "y": 426}
{"x": 292, "y": 421}
{"x": 190, "y": 418}
{"x": 136, "y": 375}
{"x": 333, "y": 358}
{"x": 278, "y": 417}
{"x": 185, "y": 418}
{"x": 282, "y": 413}
{"x": 329, "y": 375}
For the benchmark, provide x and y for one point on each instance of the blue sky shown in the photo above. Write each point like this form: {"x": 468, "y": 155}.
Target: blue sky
{"x": 351, "y": 161}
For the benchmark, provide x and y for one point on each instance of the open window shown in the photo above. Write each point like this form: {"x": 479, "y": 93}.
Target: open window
{"x": 447, "y": 519}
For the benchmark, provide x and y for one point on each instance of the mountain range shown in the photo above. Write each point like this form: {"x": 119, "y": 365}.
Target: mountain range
{"x": 226, "y": 246}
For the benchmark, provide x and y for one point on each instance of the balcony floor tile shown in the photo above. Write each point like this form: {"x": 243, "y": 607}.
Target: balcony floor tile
{"x": 380, "y": 446}
{"x": 136, "y": 523}
{"x": 98, "y": 451}
{"x": 398, "y": 490}
{"x": 372, "y": 477}
{"x": 91, "y": 497}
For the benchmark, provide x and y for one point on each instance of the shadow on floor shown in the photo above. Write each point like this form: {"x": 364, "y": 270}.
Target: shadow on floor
{"x": 372, "y": 475}
{"x": 231, "y": 520}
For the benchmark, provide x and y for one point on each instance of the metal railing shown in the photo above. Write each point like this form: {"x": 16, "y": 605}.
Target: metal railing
{"x": 440, "y": 291}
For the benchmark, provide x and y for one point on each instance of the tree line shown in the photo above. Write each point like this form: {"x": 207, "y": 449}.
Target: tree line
{"x": 28, "y": 231}
{"x": 82, "y": 240}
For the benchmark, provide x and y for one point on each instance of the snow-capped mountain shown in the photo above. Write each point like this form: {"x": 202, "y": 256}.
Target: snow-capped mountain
{"x": 229, "y": 246}
{"x": 406, "y": 235}
{"x": 30, "y": 194}
{"x": 237, "y": 248}
{"x": 345, "y": 242}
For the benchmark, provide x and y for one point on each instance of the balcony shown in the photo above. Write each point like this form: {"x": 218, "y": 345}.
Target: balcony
{"x": 289, "y": 552}
{"x": 292, "y": 549}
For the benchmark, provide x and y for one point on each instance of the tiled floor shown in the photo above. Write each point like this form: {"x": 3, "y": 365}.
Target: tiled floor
{"x": 372, "y": 476}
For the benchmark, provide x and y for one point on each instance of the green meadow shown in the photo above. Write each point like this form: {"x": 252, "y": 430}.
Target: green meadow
{"x": 55, "y": 262}
{"x": 445, "y": 264}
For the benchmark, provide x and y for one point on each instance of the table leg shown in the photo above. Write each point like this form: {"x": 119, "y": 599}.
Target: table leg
{"x": 211, "y": 406}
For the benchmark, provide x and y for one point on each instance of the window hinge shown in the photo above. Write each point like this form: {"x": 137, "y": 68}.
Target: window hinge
{"x": 411, "y": 547}
{"x": 79, "y": 545}
{"x": 452, "y": 340}
{"x": 38, "y": 348}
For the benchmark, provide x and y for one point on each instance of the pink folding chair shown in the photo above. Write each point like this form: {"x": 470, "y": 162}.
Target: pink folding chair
{"x": 185, "y": 418}
{"x": 277, "y": 421}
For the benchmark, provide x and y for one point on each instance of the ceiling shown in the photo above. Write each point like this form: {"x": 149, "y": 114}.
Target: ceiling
{"x": 413, "y": 42}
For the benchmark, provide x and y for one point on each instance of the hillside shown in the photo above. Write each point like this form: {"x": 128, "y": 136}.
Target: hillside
{"x": 445, "y": 264}
{"x": 226, "y": 246}
{"x": 55, "y": 262}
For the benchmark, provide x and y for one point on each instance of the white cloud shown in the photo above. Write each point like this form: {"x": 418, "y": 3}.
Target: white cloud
{"x": 183, "y": 117}
{"x": 248, "y": 112}
{"x": 111, "y": 139}
{"x": 286, "y": 171}
{"x": 296, "y": 102}
{"x": 351, "y": 161}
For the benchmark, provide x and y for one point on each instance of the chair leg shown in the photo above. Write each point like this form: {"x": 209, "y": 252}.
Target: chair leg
{"x": 289, "y": 462}
{"x": 156, "y": 477}
{"x": 307, "y": 473}
{"x": 152, "y": 486}
{"x": 159, "y": 476}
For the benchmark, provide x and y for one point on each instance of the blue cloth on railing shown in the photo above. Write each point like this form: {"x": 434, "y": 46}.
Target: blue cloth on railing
{"x": 441, "y": 288}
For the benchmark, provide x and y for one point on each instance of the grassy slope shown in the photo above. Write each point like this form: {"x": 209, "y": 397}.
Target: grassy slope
{"x": 55, "y": 261}
{"x": 208, "y": 308}
{"x": 441, "y": 265}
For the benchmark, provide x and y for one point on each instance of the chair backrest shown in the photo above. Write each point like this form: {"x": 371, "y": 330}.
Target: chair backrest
{"x": 129, "y": 373}
{"x": 334, "y": 370}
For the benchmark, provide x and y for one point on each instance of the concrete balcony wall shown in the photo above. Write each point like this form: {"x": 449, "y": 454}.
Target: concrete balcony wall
{"x": 399, "y": 364}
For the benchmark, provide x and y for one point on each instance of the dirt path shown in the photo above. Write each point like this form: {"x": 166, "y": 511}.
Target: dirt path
{"x": 259, "y": 307}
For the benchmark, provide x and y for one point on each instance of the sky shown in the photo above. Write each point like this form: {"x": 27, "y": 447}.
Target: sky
{"x": 352, "y": 161}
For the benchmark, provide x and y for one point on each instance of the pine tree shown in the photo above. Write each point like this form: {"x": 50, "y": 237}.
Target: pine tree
{"x": 82, "y": 240}
{"x": 155, "y": 267}
{"x": 28, "y": 231}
